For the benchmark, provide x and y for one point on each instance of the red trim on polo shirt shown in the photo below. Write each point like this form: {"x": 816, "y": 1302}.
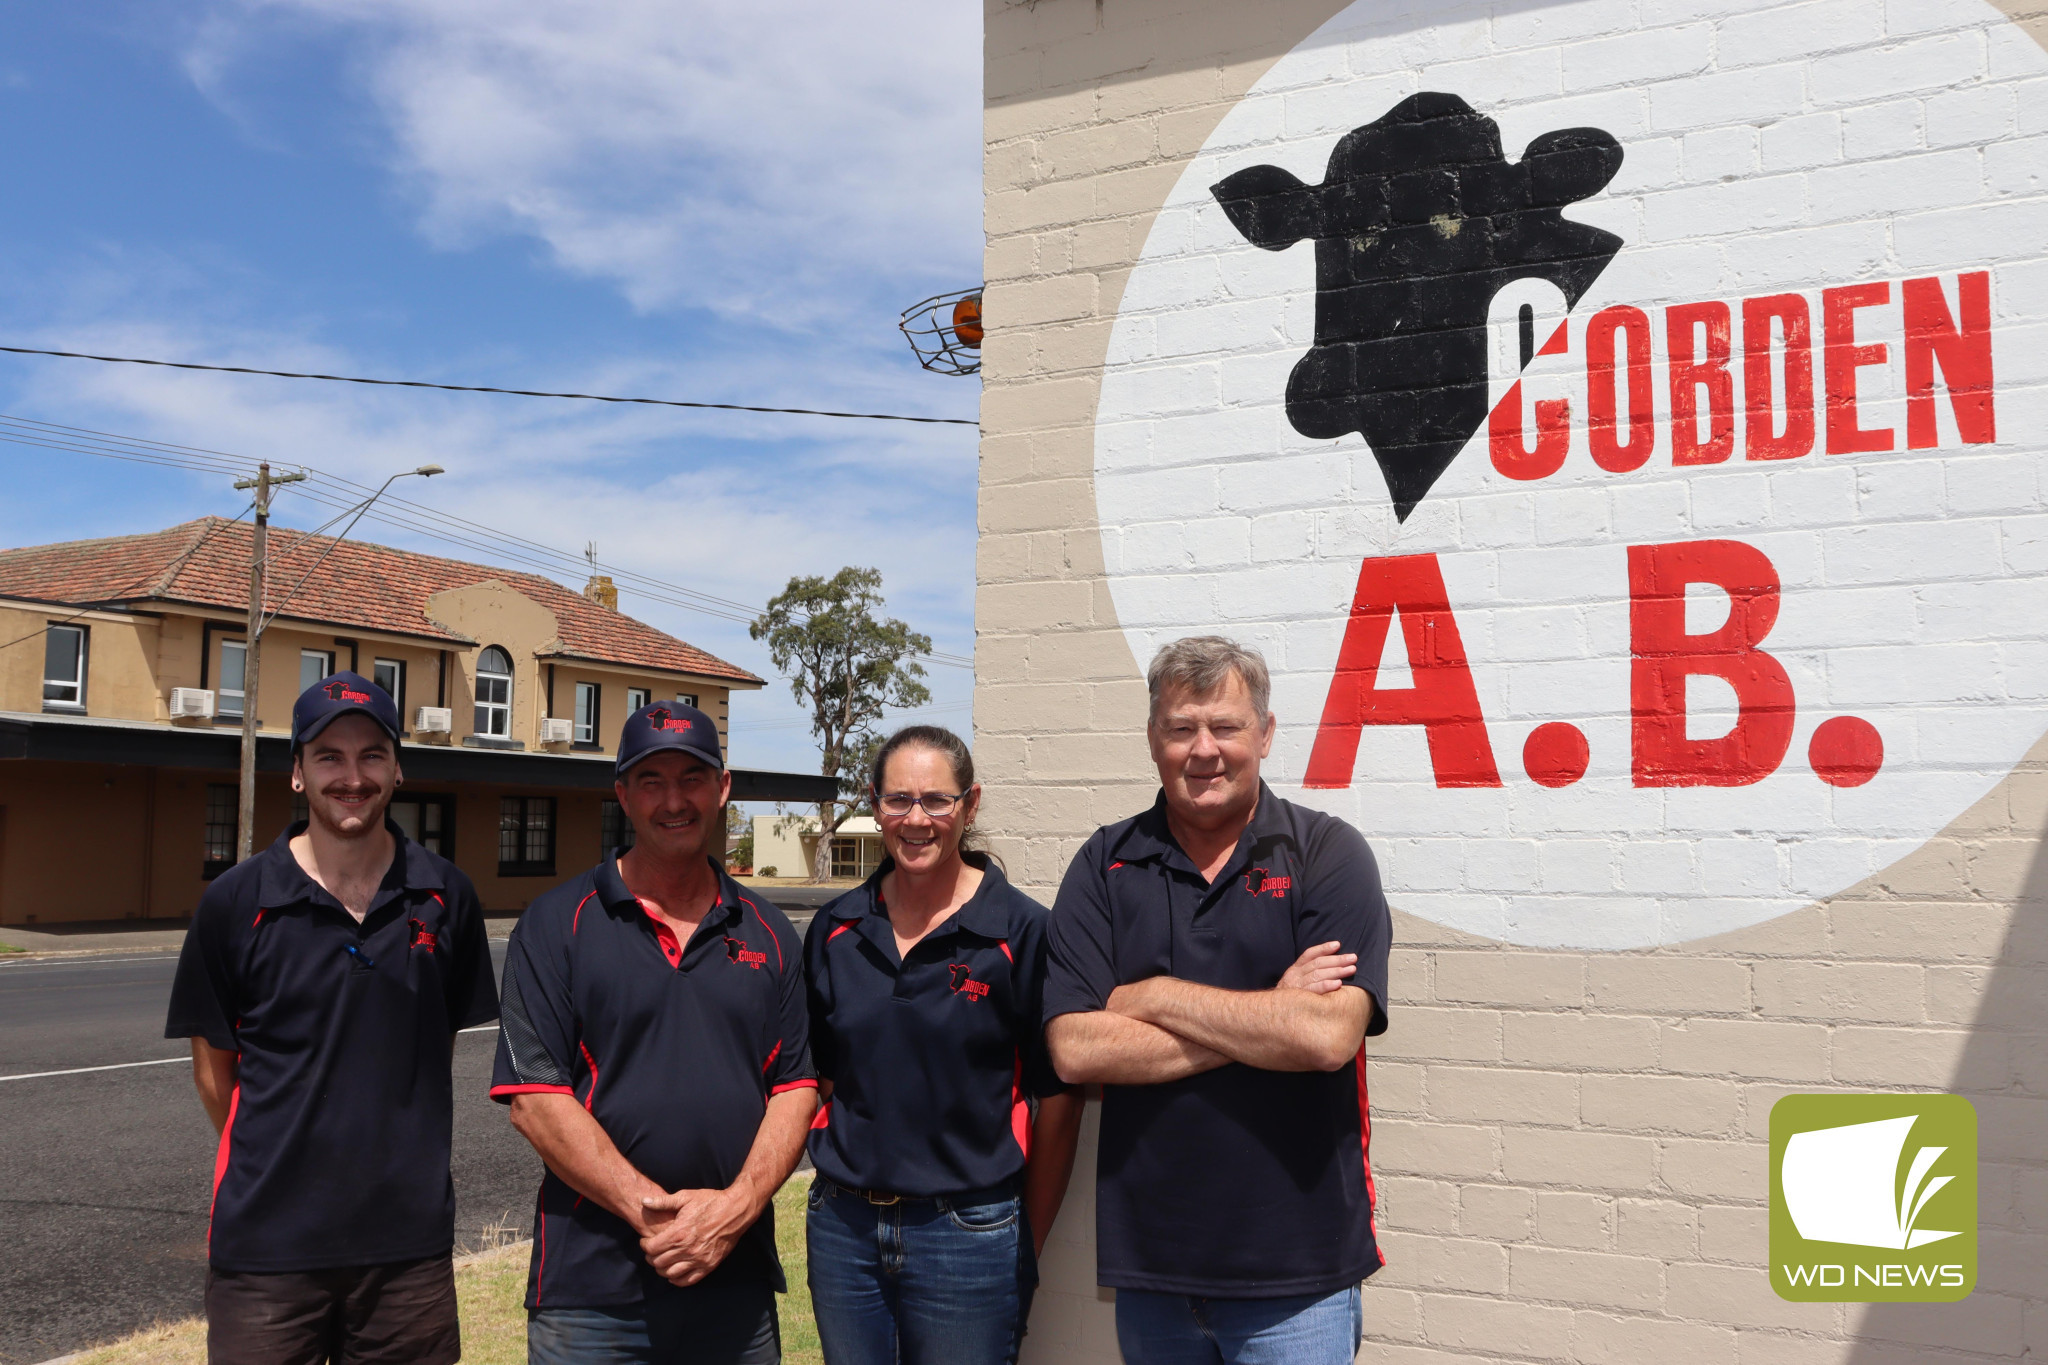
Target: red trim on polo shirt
{"x": 670, "y": 947}
{"x": 823, "y": 1118}
{"x": 1020, "y": 1107}
{"x": 577, "y": 918}
{"x": 793, "y": 1085}
{"x": 1365, "y": 1155}
{"x": 498, "y": 1090}
{"x": 771, "y": 933}
{"x": 840, "y": 930}
{"x": 220, "y": 1155}
{"x": 540, "y": 1270}
{"x": 590, "y": 1062}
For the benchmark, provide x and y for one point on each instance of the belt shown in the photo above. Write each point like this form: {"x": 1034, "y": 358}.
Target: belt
{"x": 884, "y": 1198}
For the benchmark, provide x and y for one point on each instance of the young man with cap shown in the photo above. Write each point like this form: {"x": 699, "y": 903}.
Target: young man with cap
{"x": 655, "y": 1054}
{"x": 322, "y": 984}
{"x": 1216, "y": 964}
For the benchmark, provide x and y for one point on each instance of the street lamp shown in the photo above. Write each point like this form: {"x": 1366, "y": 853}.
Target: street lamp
{"x": 245, "y": 835}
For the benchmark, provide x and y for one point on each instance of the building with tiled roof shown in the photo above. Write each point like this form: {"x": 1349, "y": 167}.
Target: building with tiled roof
{"x": 122, "y": 664}
{"x": 205, "y": 563}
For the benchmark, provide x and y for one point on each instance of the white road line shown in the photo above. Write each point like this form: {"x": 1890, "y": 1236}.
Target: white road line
{"x": 82, "y": 959}
{"x": 161, "y": 1061}
{"x": 81, "y": 1070}
{"x": 86, "y": 957}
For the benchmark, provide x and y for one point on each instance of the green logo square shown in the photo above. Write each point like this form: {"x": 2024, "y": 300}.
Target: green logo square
{"x": 1873, "y": 1198}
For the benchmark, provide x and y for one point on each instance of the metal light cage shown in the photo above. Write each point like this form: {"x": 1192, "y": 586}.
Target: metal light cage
{"x": 945, "y": 331}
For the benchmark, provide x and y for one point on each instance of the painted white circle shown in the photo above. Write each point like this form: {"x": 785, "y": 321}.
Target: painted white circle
{"x": 1765, "y": 152}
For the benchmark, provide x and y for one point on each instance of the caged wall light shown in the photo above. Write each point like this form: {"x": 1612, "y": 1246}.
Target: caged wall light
{"x": 945, "y": 331}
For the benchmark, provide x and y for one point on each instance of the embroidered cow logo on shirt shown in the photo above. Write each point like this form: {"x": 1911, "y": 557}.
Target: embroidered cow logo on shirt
{"x": 738, "y": 951}
{"x": 422, "y": 936}
{"x": 964, "y": 982}
{"x": 1259, "y": 882}
{"x": 1419, "y": 222}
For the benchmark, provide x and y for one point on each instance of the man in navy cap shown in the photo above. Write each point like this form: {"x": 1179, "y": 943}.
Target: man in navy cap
{"x": 655, "y": 1053}
{"x": 322, "y": 984}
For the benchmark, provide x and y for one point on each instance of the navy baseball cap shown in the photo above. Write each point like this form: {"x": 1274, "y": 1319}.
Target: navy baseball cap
{"x": 337, "y": 695}
{"x": 668, "y": 725}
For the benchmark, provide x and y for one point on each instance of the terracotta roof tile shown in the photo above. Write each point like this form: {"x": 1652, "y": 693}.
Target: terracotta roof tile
{"x": 370, "y": 587}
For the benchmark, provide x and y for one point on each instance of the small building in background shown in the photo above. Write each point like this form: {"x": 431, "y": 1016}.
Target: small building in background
{"x": 122, "y": 670}
{"x": 788, "y": 844}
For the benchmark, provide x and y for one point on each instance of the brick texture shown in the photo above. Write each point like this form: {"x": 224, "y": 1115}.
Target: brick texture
{"x": 1570, "y": 1140}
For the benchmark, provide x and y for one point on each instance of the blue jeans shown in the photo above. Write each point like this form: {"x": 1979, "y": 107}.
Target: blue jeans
{"x": 1182, "y": 1329}
{"x": 921, "y": 1282}
{"x": 730, "y": 1324}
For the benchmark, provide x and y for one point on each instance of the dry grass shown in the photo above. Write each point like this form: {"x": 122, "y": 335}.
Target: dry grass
{"x": 490, "y": 1288}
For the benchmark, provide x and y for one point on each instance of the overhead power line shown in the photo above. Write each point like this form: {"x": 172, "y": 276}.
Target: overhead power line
{"x": 486, "y": 388}
{"x": 346, "y": 496}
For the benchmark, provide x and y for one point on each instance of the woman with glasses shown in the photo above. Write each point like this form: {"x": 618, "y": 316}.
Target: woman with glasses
{"x": 945, "y": 1142}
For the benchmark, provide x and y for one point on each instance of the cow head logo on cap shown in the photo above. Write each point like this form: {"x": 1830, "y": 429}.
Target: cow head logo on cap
{"x": 338, "y": 689}
{"x": 337, "y": 695}
{"x": 668, "y": 725}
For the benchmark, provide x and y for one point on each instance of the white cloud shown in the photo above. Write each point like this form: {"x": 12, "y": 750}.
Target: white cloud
{"x": 736, "y": 525}
{"x": 796, "y": 172}
{"x": 775, "y": 160}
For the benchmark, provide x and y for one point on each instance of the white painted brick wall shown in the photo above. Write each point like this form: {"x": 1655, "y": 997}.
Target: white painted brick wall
{"x": 1570, "y": 1144}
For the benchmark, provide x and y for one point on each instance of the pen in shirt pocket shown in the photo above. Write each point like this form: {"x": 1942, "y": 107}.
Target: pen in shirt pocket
{"x": 359, "y": 955}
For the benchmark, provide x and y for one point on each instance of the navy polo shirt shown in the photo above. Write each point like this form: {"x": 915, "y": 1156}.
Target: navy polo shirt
{"x": 934, "y": 1058}
{"x": 337, "y": 1141}
{"x": 673, "y": 1048}
{"x": 1240, "y": 1182}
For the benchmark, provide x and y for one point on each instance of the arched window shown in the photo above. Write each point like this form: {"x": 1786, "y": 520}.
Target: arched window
{"x": 494, "y": 693}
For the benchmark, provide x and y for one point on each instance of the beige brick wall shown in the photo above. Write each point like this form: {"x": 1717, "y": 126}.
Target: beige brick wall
{"x": 1571, "y": 1146}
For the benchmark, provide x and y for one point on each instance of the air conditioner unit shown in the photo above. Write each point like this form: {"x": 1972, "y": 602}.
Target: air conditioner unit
{"x": 191, "y": 703}
{"x": 434, "y": 720}
{"x": 557, "y": 731}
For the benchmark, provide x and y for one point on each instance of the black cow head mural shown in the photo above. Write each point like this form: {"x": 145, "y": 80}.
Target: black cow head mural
{"x": 1418, "y": 223}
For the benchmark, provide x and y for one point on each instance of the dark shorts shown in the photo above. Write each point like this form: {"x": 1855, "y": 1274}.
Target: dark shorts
{"x": 398, "y": 1314}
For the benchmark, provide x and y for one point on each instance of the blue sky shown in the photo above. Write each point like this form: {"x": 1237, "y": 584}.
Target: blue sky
{"x": 719, "y": 202}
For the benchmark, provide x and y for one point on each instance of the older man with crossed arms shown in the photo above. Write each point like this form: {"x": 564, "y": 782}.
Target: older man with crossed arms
{"x": 1216, "y": 965}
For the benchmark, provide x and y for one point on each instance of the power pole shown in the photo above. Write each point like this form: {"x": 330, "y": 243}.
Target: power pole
{"x": 252, "y": 653}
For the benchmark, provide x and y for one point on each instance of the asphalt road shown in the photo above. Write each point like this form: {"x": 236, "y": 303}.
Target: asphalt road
{"x": 107, "y": 1174}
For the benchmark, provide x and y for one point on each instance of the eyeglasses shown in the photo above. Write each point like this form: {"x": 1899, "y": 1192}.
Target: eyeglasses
{"x": 934, "y": 804}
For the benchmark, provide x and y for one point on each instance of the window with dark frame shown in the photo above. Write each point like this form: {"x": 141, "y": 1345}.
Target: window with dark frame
{"x": 223, "y": 819}
{"x": 234, "y": 669}
{"x": 617, "y": 830}
{"x": 526, "y": 836}
{"x": 494, "y": 693}
{"x": 588, "y": 698}
{"x": 637, "y": 697}
{"x": 427, "y": 820}
{"x": 314, "y": 664}
{"x": 846, "y": 857}
{"x": 687, "y": 698}
{"x": 64, "y": 668}
{"x": 389, "y": 674}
